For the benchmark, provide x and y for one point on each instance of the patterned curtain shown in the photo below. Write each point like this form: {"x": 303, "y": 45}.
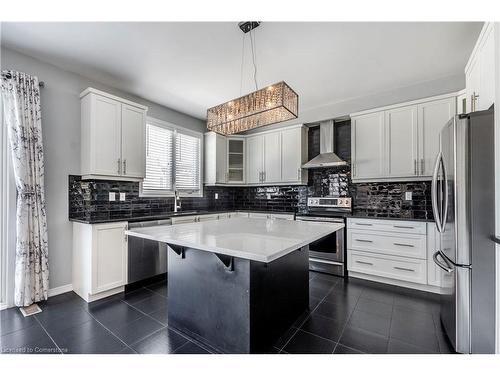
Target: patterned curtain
{"x": 21, "y": 108}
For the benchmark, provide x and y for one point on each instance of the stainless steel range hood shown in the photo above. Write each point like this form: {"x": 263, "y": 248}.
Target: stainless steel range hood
{"x": 327, "y": 157}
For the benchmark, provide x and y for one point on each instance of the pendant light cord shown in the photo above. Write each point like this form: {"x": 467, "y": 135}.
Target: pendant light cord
{"x": 252, "y": 41}
{"x": 242, "y": 63}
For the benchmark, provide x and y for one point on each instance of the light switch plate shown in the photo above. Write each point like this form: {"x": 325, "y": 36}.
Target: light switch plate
{"x": 408, "y": 196}
{"x": 216, "y": 196}
{"x": 268, "y": 195}
{"x": 122, "y": 196}
{"x": 112, "y": 197}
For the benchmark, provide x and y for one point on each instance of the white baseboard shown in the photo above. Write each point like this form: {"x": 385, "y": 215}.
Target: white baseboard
{"x": 404, "y": 284}
{"x": 60, "y": 290}
{"x": 52, "y": 292}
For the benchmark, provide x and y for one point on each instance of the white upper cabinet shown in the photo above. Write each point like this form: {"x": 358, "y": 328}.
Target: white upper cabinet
{"x": 215, "y": 158}
{"x": 112, "y": 136}
{"x": 401, "y": 150}
{"x": 367, "y": 145}
{"x": 104, "y": 135}
{"x": 399, "y": 142}
{"x": 293, "y": 154}
{"x": 221, "y": 160}
{"x": 255, "y": 159}
{"x": 480, "y": 71}
{"x": 430, "y": 116}
{"x": 272, "y": 157}
{"x": 264, "y": 158}
{"x": 133, "y": 141}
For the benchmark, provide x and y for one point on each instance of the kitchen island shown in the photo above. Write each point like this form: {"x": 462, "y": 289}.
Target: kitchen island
{"x": 237, "y": 284}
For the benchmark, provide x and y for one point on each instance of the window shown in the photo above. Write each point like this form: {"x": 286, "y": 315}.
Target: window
{"x": 173, "y": 160}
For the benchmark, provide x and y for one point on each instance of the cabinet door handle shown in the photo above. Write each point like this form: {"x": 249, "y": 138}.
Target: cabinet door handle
{"x": 367, "y": 263}
{"x": 422, "y": 166}
{"x": 404, "y": 269}
{"x": 124, "y": 166}
{"x": 415, "y": 167}
{"x": 364, "y": 224}
{"x": 119, "y": 166}
{"x": 403, "y": 227}
{"x": 360, "y": 240}
{"x": 403, "y": 244}
{"x": 298, "y": 174}
{"x": 263, "y": 176}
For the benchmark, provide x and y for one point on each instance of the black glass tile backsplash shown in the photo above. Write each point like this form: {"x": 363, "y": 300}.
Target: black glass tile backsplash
{"x": 88, "y": 200}
{"x": 388, "y": 200}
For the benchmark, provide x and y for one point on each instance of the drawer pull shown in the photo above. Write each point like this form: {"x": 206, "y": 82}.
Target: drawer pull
{"x": 360, "y": 240}
{"x": 404, "y": 269}
{"x": 367, "y": 263}
{"x": 365, "y": 224}
{"x": 403, "y": 227}
{"x": 403, "y": 244}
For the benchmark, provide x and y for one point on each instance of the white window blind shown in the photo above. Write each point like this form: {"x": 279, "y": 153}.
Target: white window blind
{"x": 187, "y": 162}
{"x": 159, "y": 149}
{"x": 173, "y": 160}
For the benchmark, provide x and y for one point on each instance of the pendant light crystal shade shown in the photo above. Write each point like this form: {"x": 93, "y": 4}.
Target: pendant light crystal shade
{"x": 272, "y": 104}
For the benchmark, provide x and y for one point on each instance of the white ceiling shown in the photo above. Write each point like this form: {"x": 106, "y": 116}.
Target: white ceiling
{"x": 193, "y": 66}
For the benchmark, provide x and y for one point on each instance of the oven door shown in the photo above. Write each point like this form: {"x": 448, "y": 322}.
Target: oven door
{"x": 328, "y": 248}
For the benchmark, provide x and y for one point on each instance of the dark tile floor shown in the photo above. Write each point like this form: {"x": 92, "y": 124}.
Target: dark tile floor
{"x": 346, "y": 316}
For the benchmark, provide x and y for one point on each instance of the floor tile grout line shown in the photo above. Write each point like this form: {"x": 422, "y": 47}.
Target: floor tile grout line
{"x": 155, "y": 292}
{"x": 145, "y": 337}
{"x": 48, "y": 334}
{"x": 348, "y": 318}
{"x": 145, "y": 314}
{"x": 163, "y": 326}
{"x": 310, "y": 313}
{"x": 109, "y": 330}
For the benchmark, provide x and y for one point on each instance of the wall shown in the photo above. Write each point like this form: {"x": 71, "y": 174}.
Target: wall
{"x": 61, "y": 135}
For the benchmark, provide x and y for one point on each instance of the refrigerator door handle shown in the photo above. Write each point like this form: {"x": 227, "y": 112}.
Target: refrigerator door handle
{"x": 434, "y": 199}
{"x": 445, "y": 213}
{"x": 439, "y": 264}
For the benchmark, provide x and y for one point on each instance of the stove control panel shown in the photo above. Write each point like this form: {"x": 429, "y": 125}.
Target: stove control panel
{"x": 328, "y": 202}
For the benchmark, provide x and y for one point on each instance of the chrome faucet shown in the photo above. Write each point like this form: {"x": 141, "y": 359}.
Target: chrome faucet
{"x": 177, "y": 201}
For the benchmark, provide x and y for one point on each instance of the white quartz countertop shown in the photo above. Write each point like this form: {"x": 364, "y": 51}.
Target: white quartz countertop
{"x": 262, "y": 240}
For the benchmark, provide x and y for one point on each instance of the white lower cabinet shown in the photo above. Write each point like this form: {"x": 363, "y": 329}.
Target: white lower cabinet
{"x": 99, "y": 259}
{"x": 392, "y": 267}
{"x": 393, "y": 251}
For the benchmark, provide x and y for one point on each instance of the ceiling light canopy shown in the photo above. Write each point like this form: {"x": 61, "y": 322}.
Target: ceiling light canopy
{"x": 270, "y": 105}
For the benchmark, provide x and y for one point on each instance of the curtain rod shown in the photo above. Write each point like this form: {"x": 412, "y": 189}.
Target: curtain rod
{"x": 9, "y": 76}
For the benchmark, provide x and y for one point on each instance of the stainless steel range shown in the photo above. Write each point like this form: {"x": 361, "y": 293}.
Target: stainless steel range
{"x": 328, "y": 254}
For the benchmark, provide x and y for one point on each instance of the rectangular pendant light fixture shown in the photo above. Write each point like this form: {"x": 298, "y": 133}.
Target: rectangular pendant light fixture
{"x": 270, "y": 105}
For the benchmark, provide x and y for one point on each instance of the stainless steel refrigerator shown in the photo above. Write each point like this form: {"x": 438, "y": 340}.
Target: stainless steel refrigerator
{"x": 463, "y": 203}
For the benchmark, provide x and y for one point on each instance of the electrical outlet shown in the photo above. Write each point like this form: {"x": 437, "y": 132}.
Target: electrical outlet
{"x": 112, "y": 197}
{"x": 268, "y": 195}
{"x": 408, "y": 196}
{"x": 122, "y": 196}
{"x": 216, "y": 196}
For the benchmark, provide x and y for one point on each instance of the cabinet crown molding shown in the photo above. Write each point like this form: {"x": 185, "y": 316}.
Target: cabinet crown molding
{"x": 91, "y": 90}
{"x": 408, "y": 103}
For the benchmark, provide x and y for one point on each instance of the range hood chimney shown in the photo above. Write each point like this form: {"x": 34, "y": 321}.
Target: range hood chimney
{"x": 327, "y": 157}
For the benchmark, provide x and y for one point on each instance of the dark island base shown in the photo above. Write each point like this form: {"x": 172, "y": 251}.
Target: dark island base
{"x": 235, "y": 305}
